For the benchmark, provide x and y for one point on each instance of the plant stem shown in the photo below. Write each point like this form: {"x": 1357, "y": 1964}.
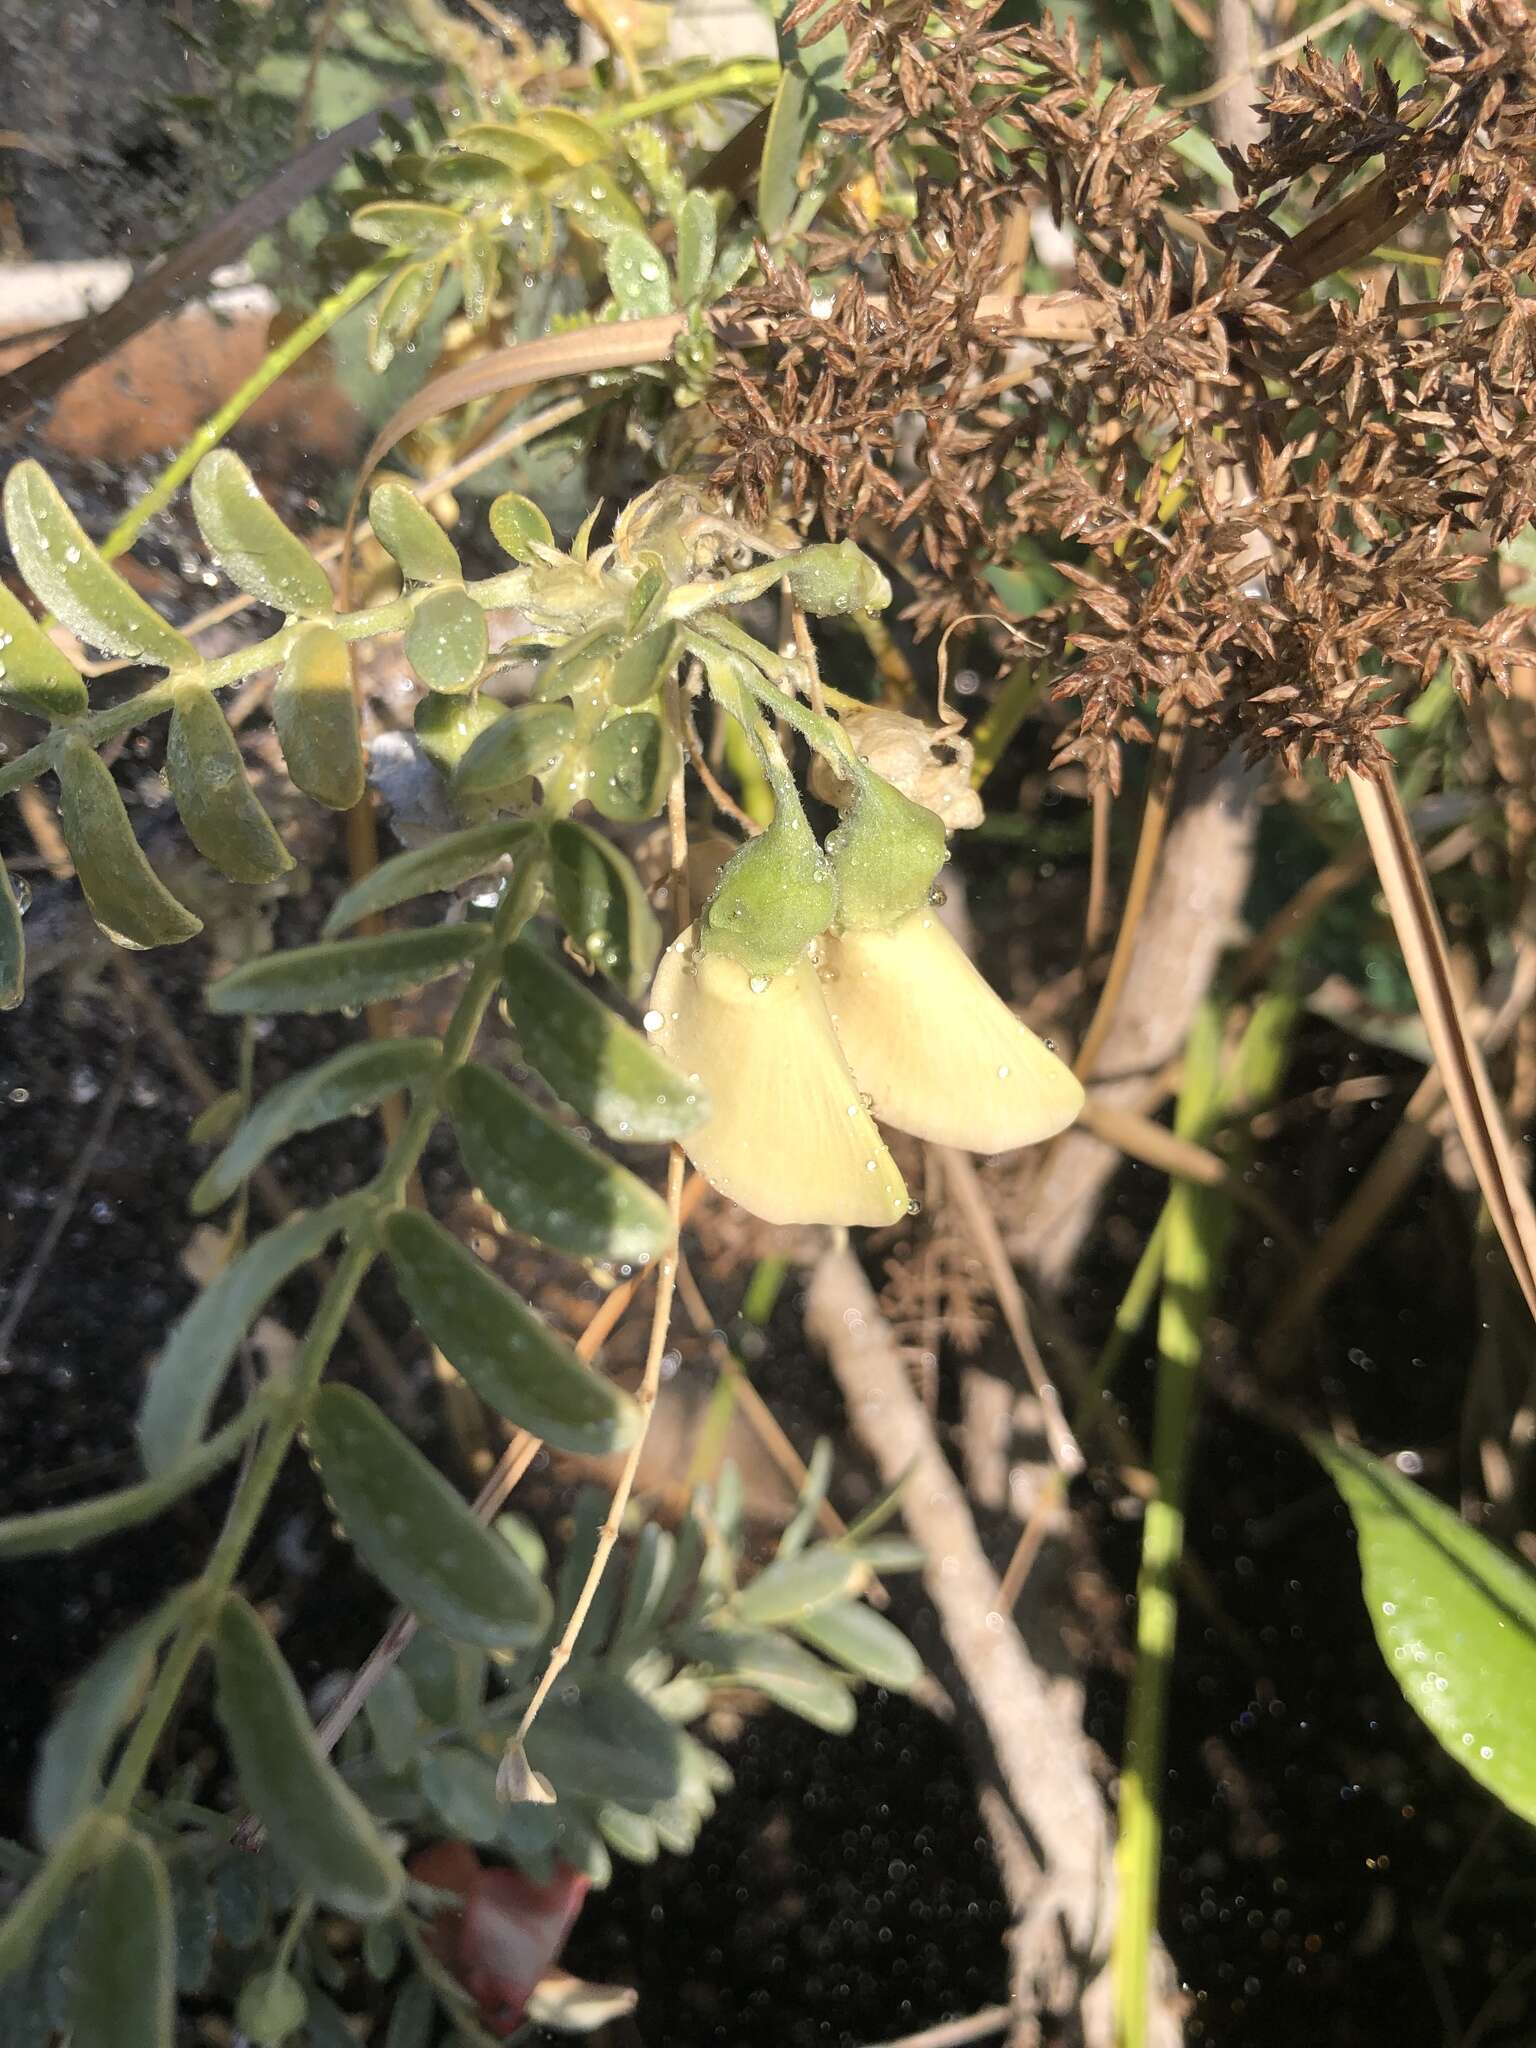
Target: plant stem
{"x": 743, "y": 75}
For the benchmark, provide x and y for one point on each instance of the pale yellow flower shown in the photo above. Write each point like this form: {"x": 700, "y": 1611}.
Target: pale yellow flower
{"x": 936, "y": 1052}
{"x": 789, "y": 1136}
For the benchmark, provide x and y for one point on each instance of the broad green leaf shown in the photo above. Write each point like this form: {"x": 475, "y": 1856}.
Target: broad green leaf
{"x": 316, "y": 713}
{"x": 408, "y": 224}
{"x": 695, "y": 246}
{"x": 35, "y": 675}
{"x": 447, "y": 642}
{"x": 393, "y": 1718}
{"x": 584, "y": 664}
{"x": 124, "y": 1972}
{"x": 427, "y": 870}
{"x": 638, "y": 275}
{"x": 460, "y": 1785}
{"x": 571, "y": 137}
{"x": 415, "y": 1533}
{"x": 13, "y": 945}
{"x": 603, "y": 906}
{"x": 629, "y": 765}
{"x": 594, "y": 201}
{"x": 100, "y": 1705}
{"x": 357, "y": 1078}
{"x": 65, "y": 570}
{"x": 529, "y": 740}
{"x": 401, "y": 308}
{"x": 640, "y": 670}
{"x": 447, "y": 1678}
{"x": 863, "y": 1642}
{"x": 250, "y": 543}
{"x": 127, "y": 899}
{"x": 591, "y": 1058}
{"x": 631, "y": 1835}
{"x": 493, "y": 1339}
{"x": 185, "y": 1380}
{"x": 318, "y": 1825}
{"x": 544, "y": 1182}
{"x": 413, "y": 537}
{"x": 777, "y": 1668}
{"x": 447, "y": 726}
{"x": 272, "y": 2006}
{"x": 224, "y": 821}
{"x": 344, "y": 974}
{"x": 473, "y": 177}
{"x": 509, "y": 145}
{"x": 87, "y": 1521}
{"x": 601, "y": 1740}
{"x": 809, "y": 95}
{"x": 1454, "y": 1616}
{"x": 792, "y": 1586}
{"x": 518, "y": 527}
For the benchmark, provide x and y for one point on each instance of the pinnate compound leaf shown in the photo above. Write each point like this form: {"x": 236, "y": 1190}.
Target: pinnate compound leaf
{"x": 1455, "y": 1619}
{"x": 546, "y": 1183}
{"x": 35, "y": 675}
{"x": 412, "y": 536}
{"x": 318, "y": 1825}
{"x": 224, "y": 821}
{"x": 344, "y": 974}
{"x": 127, "y": 899}
{"x": 250, "y": 543}
{"x": 426, "y": 870}
{"x": 100, "y": 1705}
{"x": 185, "y": 1380}
{"x": 315, "y": 710}
{"x": 355, "y": 1079}
{"x": 514, "y": 1362}
{"x": 858, "y": 1639}
{"x": 124, "y": 1964}
{"x": 529, "y": 740}
{"x": 69, "y": 576}
{"x": 414, "y": 1532}
{"x": 591, "y": 1058}
{"x": 13, "y": 945}
{"x": 447, "y": 642}
{"x": 603, "y": 906}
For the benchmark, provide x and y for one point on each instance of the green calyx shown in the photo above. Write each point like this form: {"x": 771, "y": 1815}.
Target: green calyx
{"x": 836, "y": 577}
{"x": 777, "y": 892}
{"x": 885, "y": 855}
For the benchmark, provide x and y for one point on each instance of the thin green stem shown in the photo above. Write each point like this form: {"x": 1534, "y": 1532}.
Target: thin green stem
{"x": 742, "y": 76}
{"x": 274, "y": 364}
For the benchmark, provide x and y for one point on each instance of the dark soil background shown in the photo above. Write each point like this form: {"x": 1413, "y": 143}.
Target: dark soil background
{"x": 1329, "y": 1874}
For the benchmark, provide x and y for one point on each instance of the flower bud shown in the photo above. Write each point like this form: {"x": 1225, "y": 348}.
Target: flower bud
{"x": 885, "y": 855}
{"x": 789, "y": 1136}
{"x": 776, "y": 893}
{"x": 836, "y": 577}
{"x": 936, "y": 1052}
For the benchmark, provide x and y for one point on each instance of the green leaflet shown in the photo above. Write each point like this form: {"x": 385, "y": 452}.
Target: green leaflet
{"x": 460, "y": 1785}
{"x": 405, "y": 527}
{"x": 185, "y": 1380}
{"x": 127, "y": 899}
{"x": 637, "y": 274}
{"x": 350, "y": 1081}
{"x": 809, "y": 95}
{"x": 100, "y": 1704}
{"x": 629, "y": 765}
{"x": 643, "y": 667}
{"x": 272, "y": 2006}
{"x": 316, "y": 715}
{"x": 631, "y": 1835}
{"x": 224, "y": 821}
{"x": 607, "y": 1743}
{"x": 792, "y": 1586}
{"x": 124, "y": 1974}
{"x": 591, "y": 1058}
{"x": 426, "y": 870}
{"x": 1455, "y": 1619}
{"x": 415, "y": 1533}
{"x": 508, "y": 145}
{"x": 401, "y": 308}
{"x": 344, "y": 974}
{"x": 571, "y": 137}
{"x": 696, "y": 229}
{"x": 547, "y": 1184}
{"x": 407, "y": 224}
{"x": 863, "y": 1642}
{"x": 35, "y": 675}
{"x": 317, "y": 1824}
{"x": 603, "y": 906}
{"x": 518, "y": 527}
{"x": 447, "y": 642}
{"x": 73, "y": 580}
{"x": 250, "y": 543}
{"x": 13, "y": 945}
{"x": 87, "y": 1521}
{"x": 528, "y": 740}
{"x": 493, "y": 1339}
{"x": 777, "y": 1668}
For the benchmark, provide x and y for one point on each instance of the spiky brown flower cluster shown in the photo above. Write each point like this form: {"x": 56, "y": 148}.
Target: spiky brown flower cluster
{"x": 1267, "y": 501}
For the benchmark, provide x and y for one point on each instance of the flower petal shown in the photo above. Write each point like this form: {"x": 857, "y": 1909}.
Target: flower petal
{"x": 789, "y": 1137}
{"x": 936, "y": 1052}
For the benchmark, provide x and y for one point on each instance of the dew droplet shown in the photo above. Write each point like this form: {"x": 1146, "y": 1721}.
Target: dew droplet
{"x": 653, "y": 1020}
{"x": 758, "y": 983}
